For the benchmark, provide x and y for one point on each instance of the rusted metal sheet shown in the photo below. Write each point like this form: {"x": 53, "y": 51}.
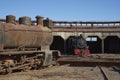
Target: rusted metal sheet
{"x": 1, "y": 36}
{"x": 25, "y": 36}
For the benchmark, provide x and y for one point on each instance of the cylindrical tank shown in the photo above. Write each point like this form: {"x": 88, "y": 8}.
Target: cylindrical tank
{"x": 10, "y": 19}
{"x": 13, "y": 36}
{"x": 39, "y": 20}
{"x": 25, "y": 20}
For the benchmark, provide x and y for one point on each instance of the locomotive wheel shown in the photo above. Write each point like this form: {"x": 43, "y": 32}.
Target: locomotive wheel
{"x": 8, "y": 70}
{"x": 40, "y": 63}
{"x": 36, "y": 64}
{"x": 56, "y": 55}
{"x": 55, "y": 62}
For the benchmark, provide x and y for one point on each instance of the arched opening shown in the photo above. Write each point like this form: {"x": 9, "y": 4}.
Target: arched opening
{"x": 58, "y": 44}
{"x": 70, "y": 46}
{"x": 95, "y": 44}
{"x": 112, "y": 44}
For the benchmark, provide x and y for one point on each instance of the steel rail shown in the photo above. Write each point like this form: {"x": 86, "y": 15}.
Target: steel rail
{"x": 103, "y": 73}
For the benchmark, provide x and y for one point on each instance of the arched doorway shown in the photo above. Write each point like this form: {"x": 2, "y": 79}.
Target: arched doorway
{"x": 69, "y": 45}
{"x": 112, "y": 44}
{"x": 95, "y": 44}
{"x": 58, "y": 44}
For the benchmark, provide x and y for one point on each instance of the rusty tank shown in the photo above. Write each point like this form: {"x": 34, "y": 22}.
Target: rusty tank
{"x": 13, "y": 35}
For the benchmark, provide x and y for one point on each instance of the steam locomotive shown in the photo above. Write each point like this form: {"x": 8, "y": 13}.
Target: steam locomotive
{"x": 24, "y": 46}
{"x": 78, "y": 45}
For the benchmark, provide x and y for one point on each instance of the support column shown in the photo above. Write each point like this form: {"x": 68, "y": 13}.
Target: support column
{"x": 65, "y": 47}
{"x": 102, "y": 46}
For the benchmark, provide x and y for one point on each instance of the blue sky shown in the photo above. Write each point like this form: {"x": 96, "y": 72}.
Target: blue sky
{"x": 65, "y": 10}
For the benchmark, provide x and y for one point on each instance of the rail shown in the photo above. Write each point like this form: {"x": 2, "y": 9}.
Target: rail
{"x": 103, "y": 73}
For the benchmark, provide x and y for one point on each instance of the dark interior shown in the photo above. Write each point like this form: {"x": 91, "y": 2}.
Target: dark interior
{"x": 112, "y": 44}
{"x": 69, "y": 46}
{"x": 95, "y": 46}
{"x": 58, "y": 44}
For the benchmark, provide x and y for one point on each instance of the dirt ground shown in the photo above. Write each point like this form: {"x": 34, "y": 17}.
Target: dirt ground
{"x": 64, "y": 73}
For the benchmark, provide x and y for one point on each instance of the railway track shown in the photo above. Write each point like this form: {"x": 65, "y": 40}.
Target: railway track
{"x": 66, "y": 72}
{"x": 105, "y": 76}
{"x": 109, "y": 73}
{"x": 71, "y": 71}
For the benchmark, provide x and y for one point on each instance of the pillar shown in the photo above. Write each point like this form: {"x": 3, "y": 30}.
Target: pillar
{"x": 64, "y": 46}
{"x": 102, "y": 46}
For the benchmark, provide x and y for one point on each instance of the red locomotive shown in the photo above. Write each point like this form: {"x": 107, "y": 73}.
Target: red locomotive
{"x": 79, "y": 46}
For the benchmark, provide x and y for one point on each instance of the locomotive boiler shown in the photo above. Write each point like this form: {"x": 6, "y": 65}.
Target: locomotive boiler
{"x": 25, "y": 46}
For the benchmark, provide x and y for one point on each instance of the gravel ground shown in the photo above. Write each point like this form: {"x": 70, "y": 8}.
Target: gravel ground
{"x": 63, "y": 73}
